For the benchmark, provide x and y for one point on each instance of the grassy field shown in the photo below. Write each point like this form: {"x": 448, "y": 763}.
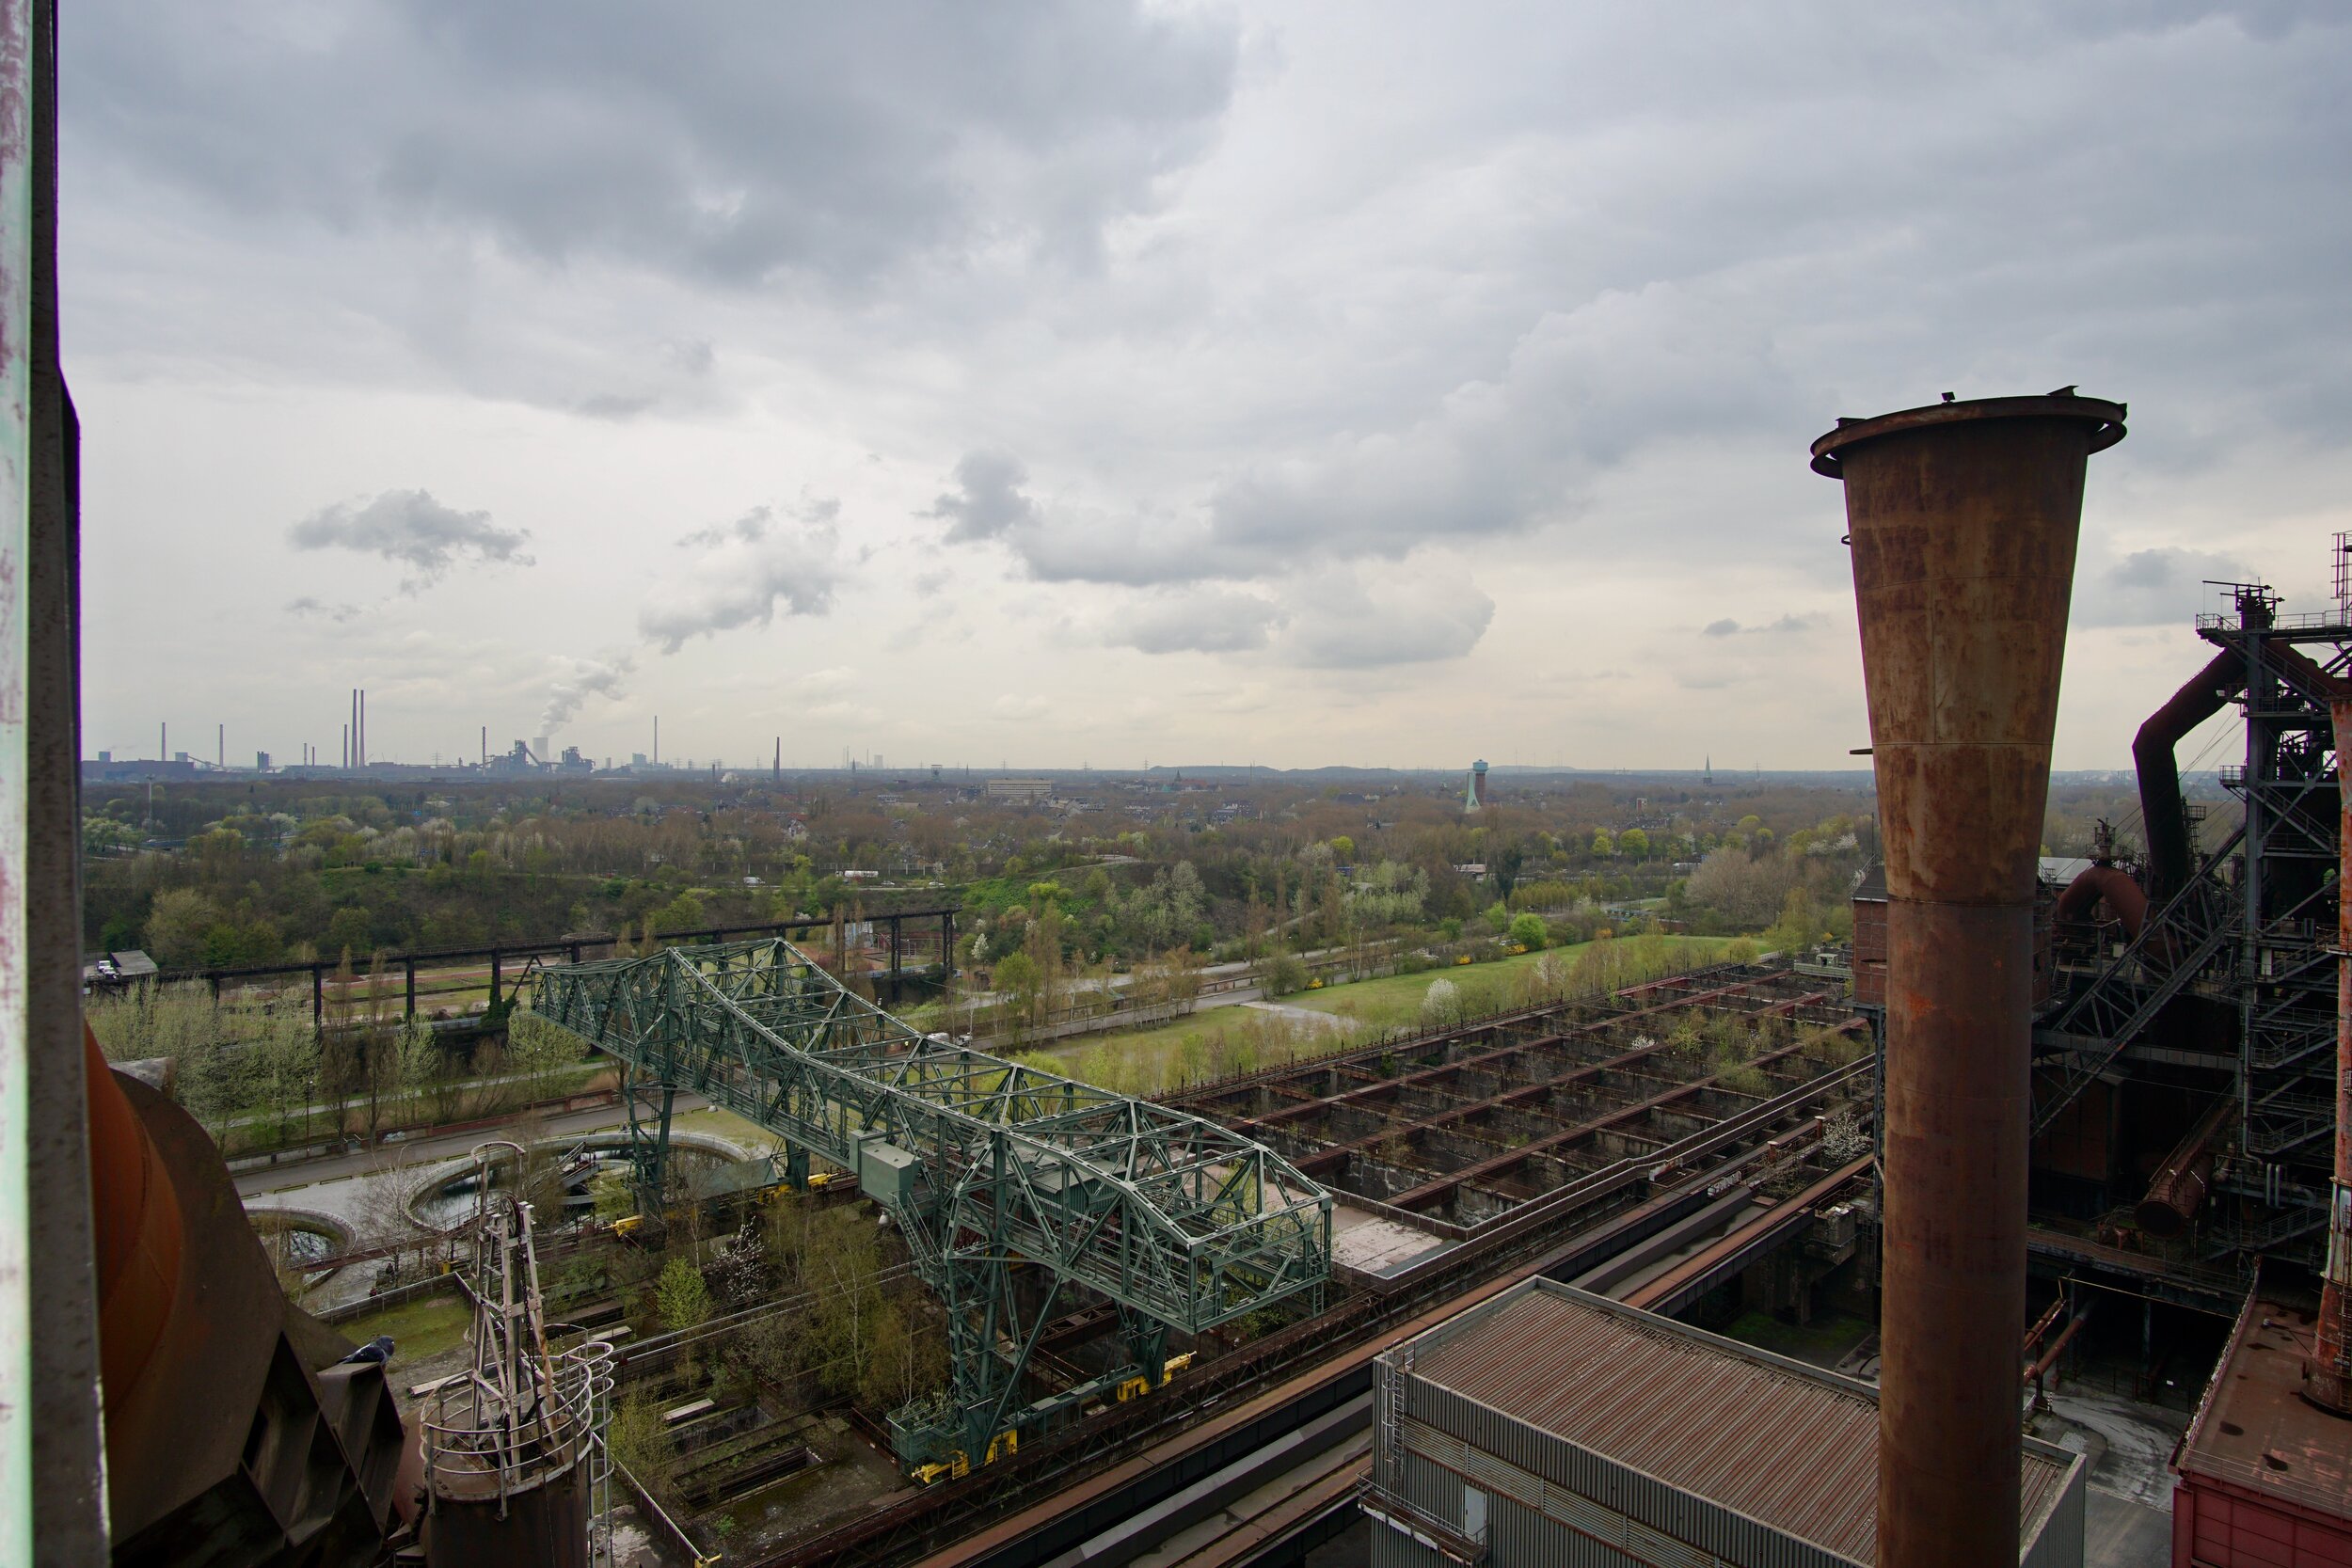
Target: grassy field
{"x": 1395, "y": 1000}
{"x": 1217, "y": 1042}
{"x": 724, "y": 1124}
{"x": 421, "y": 1328}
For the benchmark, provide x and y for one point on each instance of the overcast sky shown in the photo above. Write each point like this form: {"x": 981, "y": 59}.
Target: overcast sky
{"x": 1060, "y": 383}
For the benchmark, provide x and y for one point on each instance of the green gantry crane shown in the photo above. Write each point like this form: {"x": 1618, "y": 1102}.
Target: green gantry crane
{"x": 985, "y": 1165}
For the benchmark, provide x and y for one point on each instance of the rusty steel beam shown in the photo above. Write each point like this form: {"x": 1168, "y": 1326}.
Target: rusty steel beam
{"x": 1962, "y": 519}
{"x": 1389, "y": 1085}
{"x": 2330, "y": 1383}
{"x": 1336, "y": 1153}
{"x": 1656, "y": 1296}
{"x": 1519, "y": 1098}
{"x": 1203, "y": 1094}
{"x": 1511, "y": 1157}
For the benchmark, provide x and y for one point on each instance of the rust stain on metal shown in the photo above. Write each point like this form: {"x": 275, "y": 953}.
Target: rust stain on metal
{"x": 2257, "y": 1430}
{"x": 1962, "y": 519}
{"x": 2181, "y": 1183}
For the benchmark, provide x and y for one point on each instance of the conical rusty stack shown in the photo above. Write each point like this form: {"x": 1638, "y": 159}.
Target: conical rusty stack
{"x": 1962, "y": 519}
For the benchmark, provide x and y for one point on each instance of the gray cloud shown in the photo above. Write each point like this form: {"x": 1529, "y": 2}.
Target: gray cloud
{"x": 1403, "y": 289}
{"x": 747, "y": 571}
{"x": 307, "y": 606}
{"x": 1783, "y": 627}
{"x": 2154, "y": 587}
{"x": 1347, "y": 622}
{"x": 412, "y": 530}
{"x": 731, "y": 142}
{"x": 986, "y": 502}
{"x": 1213, "y": 621}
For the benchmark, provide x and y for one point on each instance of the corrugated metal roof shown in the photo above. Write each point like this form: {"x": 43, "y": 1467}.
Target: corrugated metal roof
{"x": 1788, "y": 1447}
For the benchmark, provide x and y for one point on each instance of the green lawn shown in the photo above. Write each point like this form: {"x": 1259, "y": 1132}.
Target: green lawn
{"x": 1395, "y": 999}
{"x": 724, "y": 1124}
{"x": 419, "y": 1329}
{"x": 1220, "y": 1040}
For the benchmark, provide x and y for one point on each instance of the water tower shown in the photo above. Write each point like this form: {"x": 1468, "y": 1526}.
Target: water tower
{"x": 1474, "y": 797}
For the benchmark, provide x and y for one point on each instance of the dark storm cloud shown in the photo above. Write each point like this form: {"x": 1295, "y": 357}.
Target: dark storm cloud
{"x": 724, "y": 141}
{"x": 410, "y": 529}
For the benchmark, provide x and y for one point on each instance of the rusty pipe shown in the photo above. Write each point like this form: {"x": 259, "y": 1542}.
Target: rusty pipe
{"x": 2329, "y": 1383}
{"x": 2178, "y": 1187}
{"x": 2171, "y": 855}
{"x": 1962, "y": 519}
{"x": 2041, "y": 1368}
{"x": 2042, "y": 1324}
{"x": 2048, "y": 1358}
{"x": 2108, "y": 885}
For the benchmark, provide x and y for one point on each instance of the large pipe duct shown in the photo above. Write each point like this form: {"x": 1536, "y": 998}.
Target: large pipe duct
{"x": 2108, "y": 885}
{"x": 2171, "y": 857}
{"x": 237, "y": 1432}
{"x": 2178, "y": 1189}
{"x": 2329, "y": 1383}
{"x": 1962, "y": 519}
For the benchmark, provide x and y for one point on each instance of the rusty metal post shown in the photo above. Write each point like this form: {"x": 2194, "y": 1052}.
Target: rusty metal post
{"x": 1962, "y": 519}
{"x": 2330, "y": 1384}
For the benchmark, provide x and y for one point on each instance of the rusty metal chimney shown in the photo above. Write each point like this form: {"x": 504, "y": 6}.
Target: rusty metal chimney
{"x": 1962, "y": 519}
{"x": 2330, "y": 1383}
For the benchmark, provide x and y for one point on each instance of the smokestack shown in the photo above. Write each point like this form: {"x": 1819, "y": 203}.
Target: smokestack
{"x": 657, "y": 741}
{"x": 2330, "y": 1384}
{"x": 485, "y": 745}
{"x": 1962, "y": 518}
{"x": 163, "y": 741}
{"x": 363, "y": 726}
{"x": 222, "y": 741}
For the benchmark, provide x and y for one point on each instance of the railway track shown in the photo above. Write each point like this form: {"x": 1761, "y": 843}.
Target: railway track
{"x": 1260, "y": 1439}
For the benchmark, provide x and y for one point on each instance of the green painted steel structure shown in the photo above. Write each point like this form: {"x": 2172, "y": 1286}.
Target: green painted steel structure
{"x": 1013, "y": 1187}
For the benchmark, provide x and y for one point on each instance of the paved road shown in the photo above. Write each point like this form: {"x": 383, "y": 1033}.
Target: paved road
{"x": 2121, "y": 1533}
{"x": 417, "y": 1151}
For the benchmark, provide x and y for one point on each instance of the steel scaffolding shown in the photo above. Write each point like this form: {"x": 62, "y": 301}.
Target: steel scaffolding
{"x": 984, "y": 1163}
{"x": 2253, "y": 928}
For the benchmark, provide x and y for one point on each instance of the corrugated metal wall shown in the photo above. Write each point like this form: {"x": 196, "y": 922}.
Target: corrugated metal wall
{"x": 2060, "y": 1542}
{"x": 1547, "y": 1503}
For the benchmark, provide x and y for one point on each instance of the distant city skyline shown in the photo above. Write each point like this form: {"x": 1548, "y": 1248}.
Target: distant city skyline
{"x": 1290, "y": 385}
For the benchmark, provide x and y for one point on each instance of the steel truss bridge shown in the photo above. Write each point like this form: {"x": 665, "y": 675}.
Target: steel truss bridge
{"x": 1016, "y": 1189}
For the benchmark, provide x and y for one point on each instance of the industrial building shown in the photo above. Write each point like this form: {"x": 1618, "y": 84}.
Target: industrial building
{"x": 2266, "y": 1476}
{"x": 1558, "y": 1428}
{"x": 1027, "y": 792}
{"x": 2184, "y": 993}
